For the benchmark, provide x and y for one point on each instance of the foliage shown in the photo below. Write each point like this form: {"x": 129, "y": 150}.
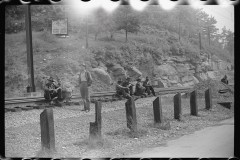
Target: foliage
{"x": 127, "y": 20}
{"x": 152, "y": 36}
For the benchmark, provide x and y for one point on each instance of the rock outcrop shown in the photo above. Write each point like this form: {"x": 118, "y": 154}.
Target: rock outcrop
{"x": 117, "y": 71}
{"x": 174, "y": 72}
{"x": 103, "y": 75}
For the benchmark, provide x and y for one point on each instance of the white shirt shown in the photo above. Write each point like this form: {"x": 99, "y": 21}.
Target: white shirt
{"x": 83, "y": 76}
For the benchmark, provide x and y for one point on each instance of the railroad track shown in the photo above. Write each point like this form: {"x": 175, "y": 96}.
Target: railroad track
{"x": 101, "y": 96}
{"x": 97, "y": 96}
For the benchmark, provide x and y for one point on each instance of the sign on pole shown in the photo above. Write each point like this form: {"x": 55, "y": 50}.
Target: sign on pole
{"x": 60, "y": 26}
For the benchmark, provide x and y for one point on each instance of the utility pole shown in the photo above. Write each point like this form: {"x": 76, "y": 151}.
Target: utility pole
{"x": 179, "y": 24}
{"x": 29, "y": 48}
{"x": 200, "y": 42}
{"x": 209, "y": 35}
{"x": 199, "y": 33}
{"x": 87, "y": 32}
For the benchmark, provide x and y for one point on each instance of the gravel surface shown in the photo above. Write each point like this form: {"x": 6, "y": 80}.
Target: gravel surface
{"x": 23, "y": 137}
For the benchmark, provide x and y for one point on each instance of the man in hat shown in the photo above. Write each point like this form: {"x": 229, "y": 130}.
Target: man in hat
{"x": 129, "y": 85}
{"x": 52, "y": 90}
{"x": 224, "y": 79}
{"x": 148, "y": 87}
{"x": 140, "y": 90}
{"x": 85, "y": 81}
{"x": 121, "y": 90}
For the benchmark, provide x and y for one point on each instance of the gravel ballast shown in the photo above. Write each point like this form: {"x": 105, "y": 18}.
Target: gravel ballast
{"x": 23, "y": 137}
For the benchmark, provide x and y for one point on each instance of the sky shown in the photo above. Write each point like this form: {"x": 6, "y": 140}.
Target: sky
{"x": 223, "y": 15}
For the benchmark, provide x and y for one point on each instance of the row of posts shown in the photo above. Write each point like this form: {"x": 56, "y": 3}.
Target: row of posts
{"x": 47, "y": 121}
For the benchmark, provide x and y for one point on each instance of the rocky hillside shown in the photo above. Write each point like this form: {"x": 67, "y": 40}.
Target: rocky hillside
{"x": 161, "y": 57}
{"x": 123, "y": 43}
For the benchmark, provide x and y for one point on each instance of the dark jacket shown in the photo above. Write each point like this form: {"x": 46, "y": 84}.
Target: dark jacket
{"x": 224, "y": 80}
{"x": 146, "y": 83}
{"x": 51, "y": 85}
{"x": 119, "y": 87}
{"x": 88, "y": 77}
{"x": 139, "y": 88}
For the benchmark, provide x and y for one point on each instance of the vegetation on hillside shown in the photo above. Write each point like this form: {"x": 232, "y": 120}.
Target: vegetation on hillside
{"x": 126, "y": 37}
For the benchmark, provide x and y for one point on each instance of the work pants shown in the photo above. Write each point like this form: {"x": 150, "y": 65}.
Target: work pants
{"x": 124, "y": 93}
{"x": 140, "y": 91}
{"x": 84, "y": 90}
{"x": 49, "y": 95}
{"x": 148, "y": 89}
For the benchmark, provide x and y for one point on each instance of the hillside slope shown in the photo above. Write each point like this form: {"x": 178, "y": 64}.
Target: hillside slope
{"x": 153, "y": 53}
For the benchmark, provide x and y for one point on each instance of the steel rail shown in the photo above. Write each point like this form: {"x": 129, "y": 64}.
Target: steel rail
{"x": 96, "y": 95}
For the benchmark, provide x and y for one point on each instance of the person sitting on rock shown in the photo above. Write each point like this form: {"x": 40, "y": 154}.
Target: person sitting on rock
{"x": 52, "y": 90}
{"x": 121, "y": 90}
{"x": 140, "y": 90}
{"x": 128, "y": 84}
{"x": 224, "y": 79}
{"x": 148, "y": 87}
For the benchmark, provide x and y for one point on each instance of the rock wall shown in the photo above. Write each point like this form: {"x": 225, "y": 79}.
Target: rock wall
{"x": 174, "y": 72}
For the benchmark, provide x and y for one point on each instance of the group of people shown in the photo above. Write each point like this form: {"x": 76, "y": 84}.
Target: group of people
{"x": 125, "y": 88}
{"x": 53, "y": 89}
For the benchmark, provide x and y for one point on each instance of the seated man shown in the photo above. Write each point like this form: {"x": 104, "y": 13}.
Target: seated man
{"x": 148, "y": 87}
{"x": 224, "y": 79}
{"x": 121, "y": 90}
{"x": 127, "y": 83}
{"x": 52, "y": 90}
{"x": 140, "y": 90}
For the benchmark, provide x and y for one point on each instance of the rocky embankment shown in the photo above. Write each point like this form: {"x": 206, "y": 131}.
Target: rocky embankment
{"x": 176, "y": 71}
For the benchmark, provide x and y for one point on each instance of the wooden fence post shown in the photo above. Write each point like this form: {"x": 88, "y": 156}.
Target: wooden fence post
{"x": 208, "y": 98}
{"x": 95, "y": 127}
{"x": 177, "y": 106}
{"x": 47, "y": 129}
{"x": 131, "y": 114}
{"x": 193, "y": 103}
{"x": 157, "y": 110}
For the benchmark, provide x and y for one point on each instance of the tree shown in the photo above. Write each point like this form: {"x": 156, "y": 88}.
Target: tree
{"x": 103, "y": 22}
{"x": 230, "y": 42}
{"x": 127, "y": 20}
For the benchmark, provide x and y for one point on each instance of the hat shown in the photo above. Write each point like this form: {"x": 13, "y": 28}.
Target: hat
{"x": 50, "y": 79}
{"x": 138, "y": 79}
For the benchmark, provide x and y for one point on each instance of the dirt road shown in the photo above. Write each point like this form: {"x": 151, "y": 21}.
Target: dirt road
{"x": 214, "y": 141}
